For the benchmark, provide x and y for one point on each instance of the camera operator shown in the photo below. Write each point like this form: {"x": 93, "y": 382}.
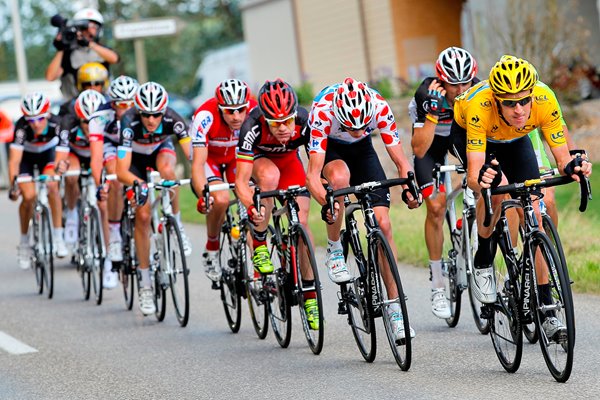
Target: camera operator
{"x": 77, "y": 43}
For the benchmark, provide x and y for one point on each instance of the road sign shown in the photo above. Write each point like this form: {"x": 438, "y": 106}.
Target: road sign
{"x": 146, "y": 28}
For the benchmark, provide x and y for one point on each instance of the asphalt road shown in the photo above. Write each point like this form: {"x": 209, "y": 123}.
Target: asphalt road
{"x": 70, "y": 349}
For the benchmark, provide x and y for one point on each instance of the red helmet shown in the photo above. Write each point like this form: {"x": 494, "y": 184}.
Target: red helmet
{"x": 277, "y": 99}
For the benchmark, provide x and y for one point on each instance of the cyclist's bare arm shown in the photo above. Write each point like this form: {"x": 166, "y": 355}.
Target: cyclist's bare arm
{"x": 475, "y": 161}
{"x": 96, "y": 159}
{"x": 243, "y": 173}
{"x": 313, "y": 177}
{"x": 186, "y": 144}
{"x": 198, "y": 174}
{"x": 123, "y": 174}
{"x": 14, "y": 161}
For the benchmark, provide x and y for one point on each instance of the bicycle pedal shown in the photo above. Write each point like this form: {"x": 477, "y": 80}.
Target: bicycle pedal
{"x": 487, "y": 312}
{"x": 215, "y": 286}
{"x": 342, "y": 309}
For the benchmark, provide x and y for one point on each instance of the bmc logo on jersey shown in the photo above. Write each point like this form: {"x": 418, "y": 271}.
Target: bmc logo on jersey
{"x": 249, "y": 139}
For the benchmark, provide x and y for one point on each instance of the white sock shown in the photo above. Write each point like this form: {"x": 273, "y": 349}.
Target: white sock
{"x": 107, "y": 265}
{"x": 24, "y": 239}
{"x": 437, "y": 279}
{"x": 178, "y": 218}
{"x": 145, "y": 278}
{"x": 59, "y": 233}
{"x": 334, "y": 245}
{"x": 114, "y": 231}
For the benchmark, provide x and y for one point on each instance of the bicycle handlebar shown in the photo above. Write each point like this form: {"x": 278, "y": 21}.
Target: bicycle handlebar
{"x": 39, "y": 178}
{"x": 293, "y": 190}
{"x": 533, "y": 184}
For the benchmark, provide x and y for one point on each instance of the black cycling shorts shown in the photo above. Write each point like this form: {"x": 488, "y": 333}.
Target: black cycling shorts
{"x": 517, "y": 159}
{"x": 141, "y": 162}
{"x": 436, "y": 154}
{"x": 43, "y": 160}
{"x": 363, "y": 163}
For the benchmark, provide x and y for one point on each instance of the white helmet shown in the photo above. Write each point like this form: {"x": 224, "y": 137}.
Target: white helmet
{"x": 123, "y": 88}
{"x": 455, "y": 65}
{"x": 89, "y": 14}
{"x": 151, "y": 98}
{"x": 88, "y": 103}
{"x": 34, "y": 104}
{"x": 352, "y": 104}
{"x": 232, "y": 92}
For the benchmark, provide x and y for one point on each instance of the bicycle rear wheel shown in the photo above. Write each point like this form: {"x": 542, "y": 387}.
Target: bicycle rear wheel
{"x": 385, "y": 264}
{"x": 230, "y": 296}
{"x": 557, "y": 350}
{"x": 304, "y": 257}
{"x": 277, "y": 287}
{"x": 177, "y": 271}
{"x": 97, "y": 250}
{"x": 357, "y": 300}
{"x": 127, "y": 273}
{"x": 45, "y": 260}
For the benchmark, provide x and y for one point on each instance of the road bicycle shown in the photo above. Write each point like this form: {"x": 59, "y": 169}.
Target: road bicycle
{"x": 295, "y": 278}
{"x": 168, "y": 264}
{"x": 366, "y": 296}
{"x": 40, "y": 232}
{"x": 458, "y": 267}
{"x": 128, "y": 266}
{"x": 233, "y": 257}
{"x": 91, "y": 248}
{"x": 520, "y": 299}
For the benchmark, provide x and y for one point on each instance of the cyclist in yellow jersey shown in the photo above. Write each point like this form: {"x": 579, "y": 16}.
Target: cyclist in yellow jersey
{"x": 494, "y": 117}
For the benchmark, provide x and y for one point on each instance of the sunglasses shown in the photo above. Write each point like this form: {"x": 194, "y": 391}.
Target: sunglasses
{"x": 232, "y": 110}
{"x": 150, "y": 115}
{"x": 512, "y": 103}
{"x": 123, "y": 104}
{"x": 277, "y": 122}
{"x": 37, "y": 118}
{"x": 92, "y": 83}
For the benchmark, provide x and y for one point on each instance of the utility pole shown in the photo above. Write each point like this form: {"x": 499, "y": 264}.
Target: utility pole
{"x": 19, "y": 48}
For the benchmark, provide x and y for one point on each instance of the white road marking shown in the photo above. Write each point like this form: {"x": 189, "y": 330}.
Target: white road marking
{"x": 14, "y": 346}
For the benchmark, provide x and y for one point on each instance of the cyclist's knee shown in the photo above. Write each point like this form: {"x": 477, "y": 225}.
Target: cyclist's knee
{"x": 435, "y": 210}
{"x": 268, "y": 178}
{"x": 339, "y": 179}
{"x": 142, "y": 218}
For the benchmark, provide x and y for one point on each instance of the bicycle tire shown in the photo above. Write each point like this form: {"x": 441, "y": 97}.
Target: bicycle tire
{"x": 483, "y": 325}
{"x": 160, "y": 294}
{"x": 278, "y": 290}
{"x": 304, "y": 254}
{"x": 97, "y": 247}
{"x": 552, "y": 233}
{"x": 381, "y": 255}
{"x": 453, "y": 290}
{"x": 178, "y": 272}
{"x": 127, "y": 270}
{"x": 506, "y": 331}
{"x": 47, "y": 261}
{"x": 357, "y": 299}
{"x": 255, "y": 294}
{"x": 230, "y": 296}
{"x": 558, "y": 353}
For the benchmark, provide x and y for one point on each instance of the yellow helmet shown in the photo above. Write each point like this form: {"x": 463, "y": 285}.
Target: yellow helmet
{"x": 92, "y": 72}
{"x": 512, "y": 75}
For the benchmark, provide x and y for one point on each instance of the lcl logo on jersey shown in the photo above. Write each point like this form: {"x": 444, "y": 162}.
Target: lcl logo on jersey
{"x": 558, "y": 137}
{"x": 475, "y": 142}
{"x": 541, "y": 98}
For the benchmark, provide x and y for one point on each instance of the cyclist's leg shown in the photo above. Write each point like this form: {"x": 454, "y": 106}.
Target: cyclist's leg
{"x": 72, "y": 194}
{"x": 266, "y": 175}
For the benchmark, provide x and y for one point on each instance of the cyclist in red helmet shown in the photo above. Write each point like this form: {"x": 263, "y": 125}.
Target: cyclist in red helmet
{"x": 215, "y": 132}
{"x": 268, "y": 152}
{"x": 431, "y": 113}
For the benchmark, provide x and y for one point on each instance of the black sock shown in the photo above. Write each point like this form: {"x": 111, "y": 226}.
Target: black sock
{"x": 486, "y": 252}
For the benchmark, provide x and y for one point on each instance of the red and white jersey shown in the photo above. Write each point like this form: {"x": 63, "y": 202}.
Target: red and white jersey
{"x": 210, "y": 130}
{"x": 324, "y": 126}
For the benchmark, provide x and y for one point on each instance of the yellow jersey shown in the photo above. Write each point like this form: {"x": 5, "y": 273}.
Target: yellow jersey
{"x": 476, "y": 110}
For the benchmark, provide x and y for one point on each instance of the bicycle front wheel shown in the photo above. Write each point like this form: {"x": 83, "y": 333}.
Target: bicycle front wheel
{"x": 127, "y": 270}
{"x": 303, "y": 257}
{"x": 554, "y": 313}
{"x": 230, "y": 296}
{"x": 45, "y": 261}
{"x": 177, "y": 271}
{"x": 277, "y": 288}
{"x": 97, "y": 251}
{"x": 357, "y": 300}
{"x": 385, "y": 265}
